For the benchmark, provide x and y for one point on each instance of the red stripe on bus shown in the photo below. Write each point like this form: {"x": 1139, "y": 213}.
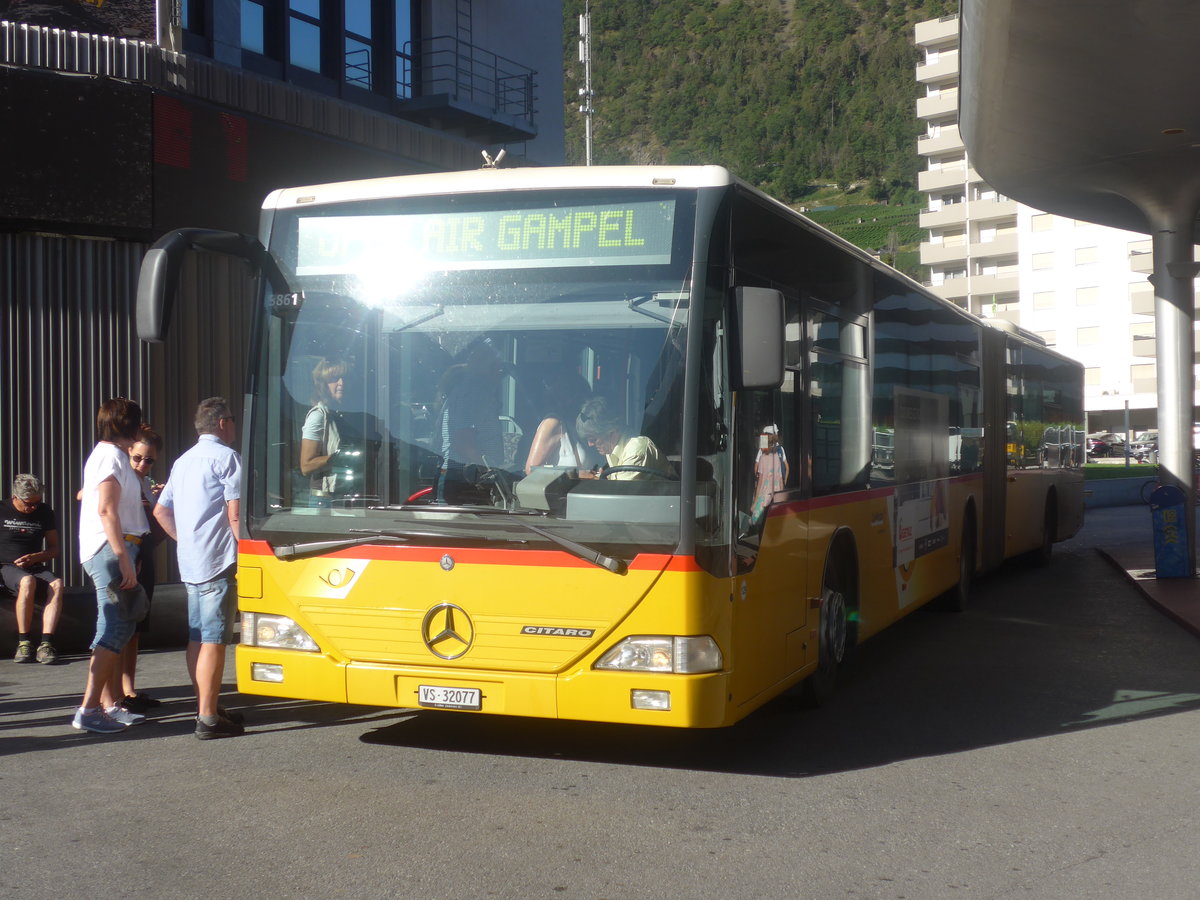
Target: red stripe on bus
{"x": 647, "y": 562}
{"x": 795, "y": 506}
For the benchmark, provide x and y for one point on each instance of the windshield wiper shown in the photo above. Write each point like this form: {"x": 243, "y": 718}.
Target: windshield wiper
{"x": 587, "y": 554}
{"x": 295, "y": 551}
{"x": 370, "y": 536}
{"x": 517, "y": 517}
{"x": 431, "y": 313}
{"x": 677, "y": 299}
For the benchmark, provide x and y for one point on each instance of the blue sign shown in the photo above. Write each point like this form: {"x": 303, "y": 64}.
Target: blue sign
{"x": 1170, "y": 532}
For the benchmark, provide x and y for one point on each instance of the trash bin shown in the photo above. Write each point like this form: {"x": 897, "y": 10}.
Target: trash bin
{"x": 1170, "y": 532}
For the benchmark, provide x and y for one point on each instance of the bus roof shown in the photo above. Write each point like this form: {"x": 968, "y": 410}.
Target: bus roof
{"x": 485, "y": 180}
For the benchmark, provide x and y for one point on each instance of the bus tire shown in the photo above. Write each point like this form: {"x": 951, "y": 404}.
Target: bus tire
{"x": 835, "y": 634}
{"x": 1042, "y": 555}
{"x": 958, "y": 597}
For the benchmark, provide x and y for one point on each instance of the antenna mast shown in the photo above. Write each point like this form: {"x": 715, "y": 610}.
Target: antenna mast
{"x": 585, "y": 92}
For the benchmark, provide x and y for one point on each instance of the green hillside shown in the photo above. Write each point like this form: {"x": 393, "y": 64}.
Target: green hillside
{"x": 872, "y": 227}
{"x": 791, "y": 95}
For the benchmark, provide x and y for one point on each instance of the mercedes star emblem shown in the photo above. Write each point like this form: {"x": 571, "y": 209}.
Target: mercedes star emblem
{"x": 447, "y": 631}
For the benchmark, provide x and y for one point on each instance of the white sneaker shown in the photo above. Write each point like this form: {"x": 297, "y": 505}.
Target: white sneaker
{"x": 125, "y": 716}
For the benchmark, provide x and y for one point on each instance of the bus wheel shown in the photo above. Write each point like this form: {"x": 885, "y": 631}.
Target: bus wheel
{"x": 834, "y": 634}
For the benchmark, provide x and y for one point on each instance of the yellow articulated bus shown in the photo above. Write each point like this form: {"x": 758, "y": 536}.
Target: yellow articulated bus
{"x": 627, "y": 444}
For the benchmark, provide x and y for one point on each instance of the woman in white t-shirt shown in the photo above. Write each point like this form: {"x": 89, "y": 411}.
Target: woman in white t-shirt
{"x": 112, "y": 524}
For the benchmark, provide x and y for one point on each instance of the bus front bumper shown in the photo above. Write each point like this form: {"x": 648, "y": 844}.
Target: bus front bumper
{"x": 642, "y": 698}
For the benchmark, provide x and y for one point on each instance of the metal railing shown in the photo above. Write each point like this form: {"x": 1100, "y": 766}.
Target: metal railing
{"x": 447, "y": 65}
{"x": 358, "y": 67}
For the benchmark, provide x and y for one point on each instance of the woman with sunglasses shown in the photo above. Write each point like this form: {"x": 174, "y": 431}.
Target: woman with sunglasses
{"x": 142, "y": 457}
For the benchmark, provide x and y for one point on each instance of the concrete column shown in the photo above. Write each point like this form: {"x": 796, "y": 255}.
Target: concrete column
{"x": 1174, "y": 317}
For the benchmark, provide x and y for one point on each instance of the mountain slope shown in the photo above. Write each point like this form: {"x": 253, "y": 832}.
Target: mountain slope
{"x": 788, "y": 94}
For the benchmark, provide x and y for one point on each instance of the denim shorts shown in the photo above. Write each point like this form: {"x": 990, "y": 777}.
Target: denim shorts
{"x": 212, "y": 608}
{"x": 114, "y": 626}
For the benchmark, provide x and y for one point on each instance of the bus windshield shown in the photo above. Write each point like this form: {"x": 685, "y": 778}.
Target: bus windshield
{"x": 425, "y": 379}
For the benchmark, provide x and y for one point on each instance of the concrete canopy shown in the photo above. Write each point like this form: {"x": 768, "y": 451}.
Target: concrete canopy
{"x": 1086, "y": 108}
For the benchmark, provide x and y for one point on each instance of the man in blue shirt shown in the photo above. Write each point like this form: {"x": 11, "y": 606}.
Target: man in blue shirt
{"x": 199, "y": 508}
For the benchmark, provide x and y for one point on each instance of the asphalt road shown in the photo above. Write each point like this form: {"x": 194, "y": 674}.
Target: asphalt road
{"x": 1042, "y": 744}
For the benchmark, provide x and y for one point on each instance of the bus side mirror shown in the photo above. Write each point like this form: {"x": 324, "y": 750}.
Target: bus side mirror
{"x": 156, "y": 293}
{"x": 158, "y": 279}
{"x": 760, "y": 321}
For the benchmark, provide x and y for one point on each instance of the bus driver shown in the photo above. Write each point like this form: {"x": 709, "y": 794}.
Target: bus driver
{"x": 604, "y": 429}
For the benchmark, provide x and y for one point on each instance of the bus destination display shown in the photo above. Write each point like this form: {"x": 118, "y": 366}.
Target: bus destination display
{"x": 618, "y": 234}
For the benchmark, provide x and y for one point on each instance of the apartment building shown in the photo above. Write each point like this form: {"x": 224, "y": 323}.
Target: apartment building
{"x": 1084, "y": 290}
{"x": 1081, "y": 287}
{"x": 972, "y": 248}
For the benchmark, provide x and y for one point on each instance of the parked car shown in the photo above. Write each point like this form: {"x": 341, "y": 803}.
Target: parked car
{"x": 1144, "y": 447}
{"x": 1105, "y": 443}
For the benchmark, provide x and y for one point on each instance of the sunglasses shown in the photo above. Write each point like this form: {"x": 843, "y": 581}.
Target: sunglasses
{"x": 148, "y": 460}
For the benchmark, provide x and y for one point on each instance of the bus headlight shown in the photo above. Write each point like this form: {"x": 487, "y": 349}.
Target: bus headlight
{"x": 661, "y": 653}
{"x": 260, "y": 630}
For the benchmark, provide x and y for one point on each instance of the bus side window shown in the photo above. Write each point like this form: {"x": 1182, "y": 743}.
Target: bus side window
{"x": 766, "y": 458}
{"x": 791, "y": 390}
{"x": 767, "y": 453}
{"x": 839, "y": 388}
{"x": 842, "y": 432}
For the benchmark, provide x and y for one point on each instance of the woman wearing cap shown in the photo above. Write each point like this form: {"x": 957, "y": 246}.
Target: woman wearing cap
{"x": 770, "y": 471}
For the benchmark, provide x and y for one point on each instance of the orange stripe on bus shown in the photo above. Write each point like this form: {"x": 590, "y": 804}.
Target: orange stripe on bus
{"x": 652, "y": 562}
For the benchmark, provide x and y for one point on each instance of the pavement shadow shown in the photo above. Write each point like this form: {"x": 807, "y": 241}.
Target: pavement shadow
{"x": 44, "y": 722}
{"x": 1040, "y": 652}
{"x": 37, "y": 703}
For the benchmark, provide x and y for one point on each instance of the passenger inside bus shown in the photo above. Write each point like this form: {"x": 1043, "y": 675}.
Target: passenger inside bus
{"x": 468, "y": 426}
{"x": 556, "y": 443}
{"x": 770, "y": 472}
{"x": 326, "y": 454}
{"x": 630, "y": 457}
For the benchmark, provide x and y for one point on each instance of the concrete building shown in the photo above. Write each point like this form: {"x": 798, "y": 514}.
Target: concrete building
{"x": 1081, "y": 287}
{"x": 121, "y": 123}
{"x": 1084, "y": 290}
{"x": 972, "y": 248}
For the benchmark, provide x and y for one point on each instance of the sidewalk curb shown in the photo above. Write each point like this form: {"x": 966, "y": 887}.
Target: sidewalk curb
{"x": 1177, "y": 598}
